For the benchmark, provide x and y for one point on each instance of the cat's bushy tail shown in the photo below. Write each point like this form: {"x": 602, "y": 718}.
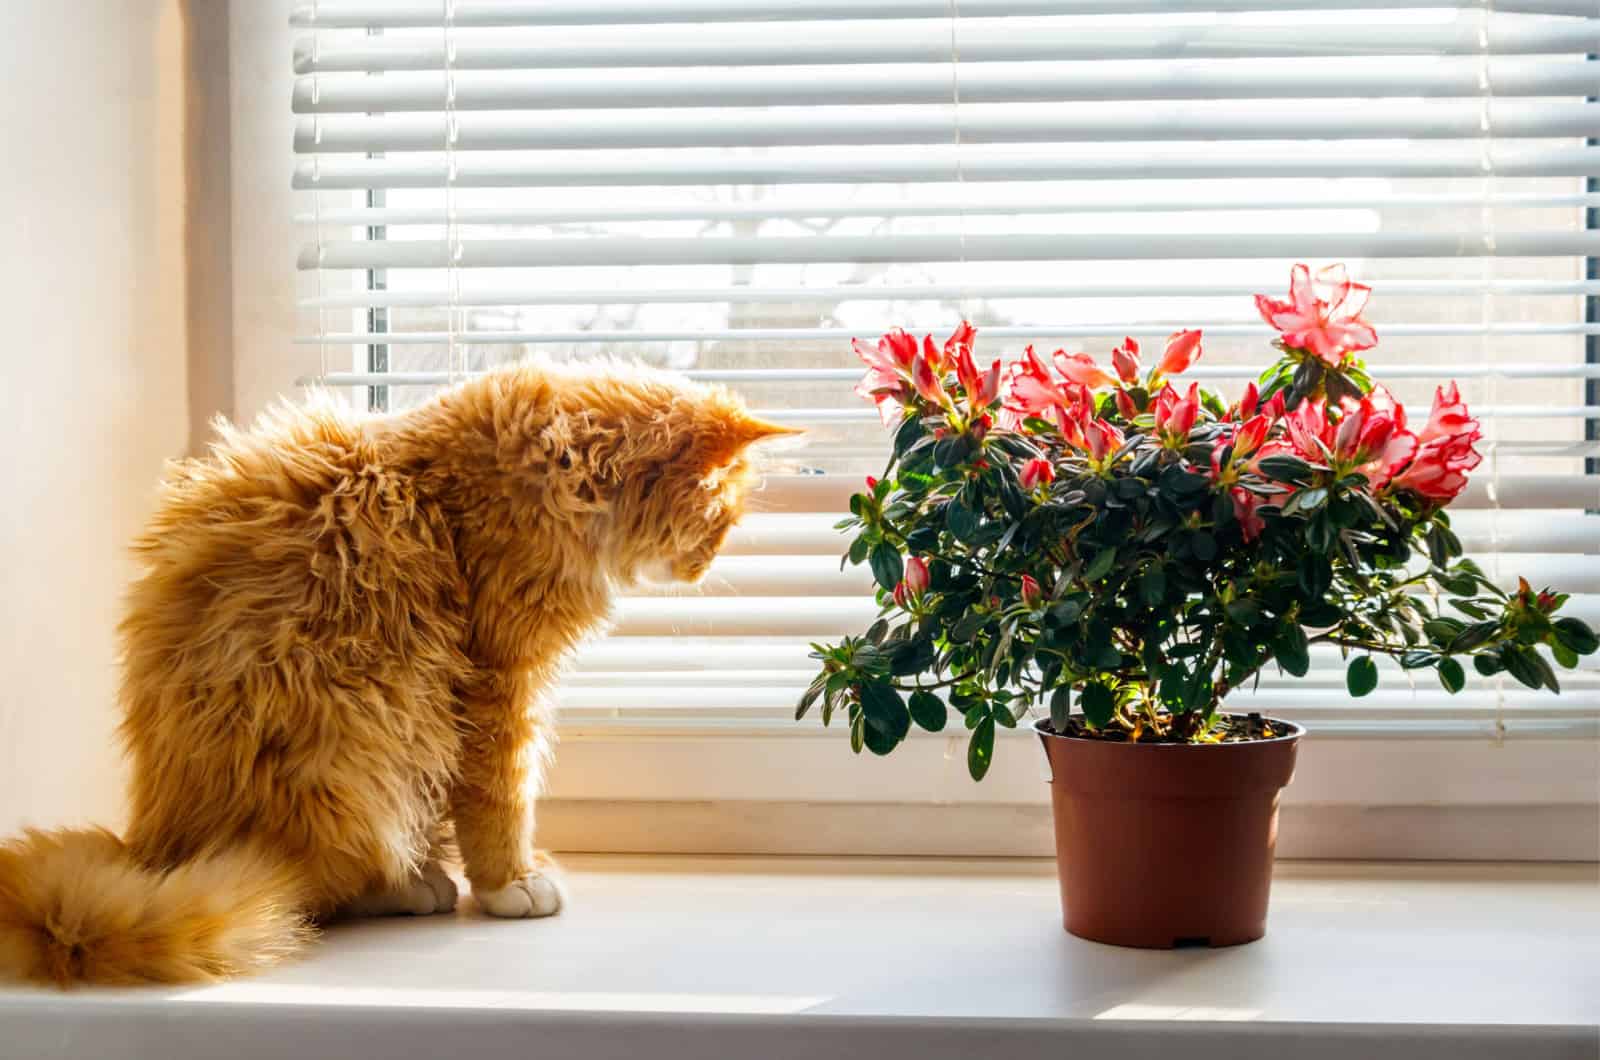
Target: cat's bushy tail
{"x": 75, "y": 906}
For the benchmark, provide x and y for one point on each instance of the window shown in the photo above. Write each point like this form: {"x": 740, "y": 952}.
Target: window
{"x": 735, "y": 188}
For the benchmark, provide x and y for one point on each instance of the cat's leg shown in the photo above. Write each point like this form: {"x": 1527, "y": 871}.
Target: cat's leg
{"x": 505, "y": 748}
{"x": 429, "y": 890}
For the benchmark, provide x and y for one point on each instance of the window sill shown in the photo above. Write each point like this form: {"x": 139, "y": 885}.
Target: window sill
{"x": 781, "y": 958}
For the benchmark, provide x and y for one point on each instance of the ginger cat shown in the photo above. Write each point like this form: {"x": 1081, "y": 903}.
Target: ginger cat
{"x": 338, "y": 652}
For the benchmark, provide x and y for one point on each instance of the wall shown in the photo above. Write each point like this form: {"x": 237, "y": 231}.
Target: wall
{"x": 118, "y": 323}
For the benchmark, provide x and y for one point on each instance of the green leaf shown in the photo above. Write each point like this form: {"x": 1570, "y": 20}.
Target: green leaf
{"x": 1305, "y": 382}
{"x": 1315, "y": 575}
{"x": 1153, "y": 585}
{"x": 907, "y": 434}
{"x": 1097, "y": 704}
{"x": 1308, "y": 500}
{"x": 1443, "y": 630}
{"x": 1452, "y": 676}
{"x": 1203, "y": 545}
{"x": 858, "y": 727}
{"x": 1245, "y": 612}
{"x": 962, "y": 521}
{"x": 1564, "y": 655}
{"x": 1101, "y": 565}
{"x": 1292, "y": 649}
{"x": 1529, "y": 667}
{"x": 980, "y": 749}
{"x": 1576, "y": 635}
{"x": 1060, "y": 707}
{"x": 858, "y": 550}
{"x": 967, "y": 626}
{"x": 813, "y": 691}
{"x": 1487, "y": 664}
{"x": 928, "y": 710}
{"x": 887, "y": 566}
{"x": 1362, "y": 676}
{"x": 1285, "y": 468}
{"x": 877, "y": 741}
{"x": 885, "y": 711}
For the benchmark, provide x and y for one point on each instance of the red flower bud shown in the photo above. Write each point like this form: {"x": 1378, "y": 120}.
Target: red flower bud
{"x": 1126, "y": 406}
{"x": 1125, "y": 359}
{"x": 916, "y": 576}
{"x": 1183, "y": 349}
{"x": 872, "y": 483}
{"x": 1032, "y": 595}
{"x": 1037, "y": 472}
{"x": 902, "y": 595}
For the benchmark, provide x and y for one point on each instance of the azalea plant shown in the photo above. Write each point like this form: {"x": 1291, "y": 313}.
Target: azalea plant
{"x": 1054, "y": 533}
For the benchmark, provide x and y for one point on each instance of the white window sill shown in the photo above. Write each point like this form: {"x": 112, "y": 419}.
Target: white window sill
{"x": 695, "y": 957}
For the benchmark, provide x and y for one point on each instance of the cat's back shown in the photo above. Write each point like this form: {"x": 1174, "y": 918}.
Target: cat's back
{"x": 300, "y": 526}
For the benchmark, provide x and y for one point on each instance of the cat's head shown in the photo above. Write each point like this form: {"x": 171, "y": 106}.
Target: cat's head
{"x": 689, "y": 486}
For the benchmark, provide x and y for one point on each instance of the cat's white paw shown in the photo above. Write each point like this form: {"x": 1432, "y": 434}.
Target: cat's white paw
{"x": 430, "y": 891}
{"x": 531, "y": 896}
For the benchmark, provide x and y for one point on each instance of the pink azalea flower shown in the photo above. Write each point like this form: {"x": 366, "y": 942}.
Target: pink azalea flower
{"x": 1448, "y": 417}
{"x": 1444, "y": 451}
{"x": 1252, "y": 433}
{"x": 981, "y": 388}
{"x": 1183, "y": 349}
{"x": 1081, "y": 369}
{"x": 1037, "y": 472}
{"x": 1245, "y": 504}
{"x": 1322, "y": 316}
{"x": 1125, "y": 359}
{"x": 1310, "y": 433}
{"x": 959, "y": 340}
{"x": 887, "y": 363}
{"x": 925, "y": 376}
{"x": 1126, "y": 406}
{"x": 1247, "y": 404}
{"x": 1439, "y": 470}
{"x": 1174, "y": 414}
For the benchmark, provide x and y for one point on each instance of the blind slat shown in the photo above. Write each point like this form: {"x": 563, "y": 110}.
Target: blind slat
{"x": 1521, "y": 370}
{"x": 831, "y": 493}
{"x": 928, "y": 166}
{"x": 1153, "y": 332}
{"x": 751, "y": 576}
{"x": 978, "y": 42}
{"x": 1084, "y": 202}
{"x": 401, "y": 14}
{"x": 755, "y": 250}
{"x": 492, "y": 132}
{"x": 810, "y": 616}
{"x": 1048, "y": 83}
{"x": 829, "y": 293}
{"x": 1481, "y": 529}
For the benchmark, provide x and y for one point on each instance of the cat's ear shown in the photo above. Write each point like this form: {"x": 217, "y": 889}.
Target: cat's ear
{"x": 729, "y": 431}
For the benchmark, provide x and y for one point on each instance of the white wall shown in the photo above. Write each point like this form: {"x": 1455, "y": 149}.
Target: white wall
{"x": 117, "y": 348}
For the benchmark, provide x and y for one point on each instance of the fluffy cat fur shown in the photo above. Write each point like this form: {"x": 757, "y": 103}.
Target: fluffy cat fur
{"x": 338, "y": 652}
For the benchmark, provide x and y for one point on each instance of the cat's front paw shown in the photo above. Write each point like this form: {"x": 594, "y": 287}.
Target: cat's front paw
{"x": 534, "y": 895}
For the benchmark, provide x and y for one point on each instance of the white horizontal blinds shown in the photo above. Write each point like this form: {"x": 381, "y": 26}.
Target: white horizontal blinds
{"x": 734, "y": 188}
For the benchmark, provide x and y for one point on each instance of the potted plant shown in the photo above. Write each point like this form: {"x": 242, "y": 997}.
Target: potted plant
{"x": 1124, "y": 555}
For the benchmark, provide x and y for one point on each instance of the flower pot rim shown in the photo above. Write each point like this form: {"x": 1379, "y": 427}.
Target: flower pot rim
{"x": 1293, "y": 732}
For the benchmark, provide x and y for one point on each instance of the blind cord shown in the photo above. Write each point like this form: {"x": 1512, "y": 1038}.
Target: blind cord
{"x": 454, "y": 320}
{"x": 963, "y": 267}
{"x": 1488, "y": 271}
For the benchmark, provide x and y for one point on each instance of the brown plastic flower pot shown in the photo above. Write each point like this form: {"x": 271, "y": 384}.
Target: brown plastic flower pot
{"x": 1167, "y": 845}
